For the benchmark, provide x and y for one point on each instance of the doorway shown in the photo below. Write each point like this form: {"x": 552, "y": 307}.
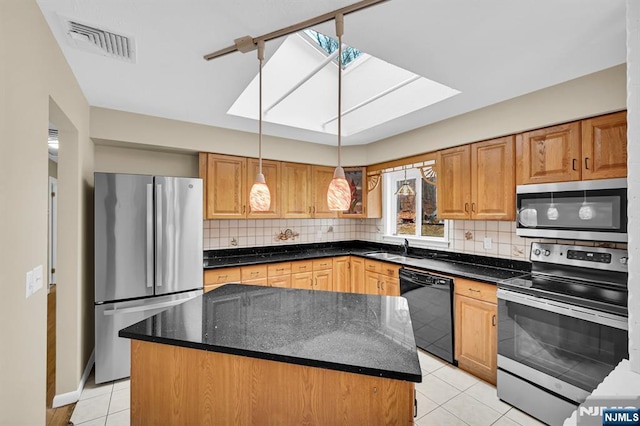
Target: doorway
{"x": 52, "y": 239}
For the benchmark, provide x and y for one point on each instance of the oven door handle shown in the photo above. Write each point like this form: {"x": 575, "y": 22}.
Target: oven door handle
{"x": 578, "y": 312}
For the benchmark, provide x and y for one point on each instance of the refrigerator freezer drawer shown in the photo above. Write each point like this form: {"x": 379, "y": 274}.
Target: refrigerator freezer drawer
{"x": 113, "y": 358}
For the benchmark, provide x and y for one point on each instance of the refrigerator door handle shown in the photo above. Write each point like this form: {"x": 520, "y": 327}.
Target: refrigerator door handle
{"x": 149, "y": 268}
{"x": 143, "y": 308}
{"x": 159, "y": 247}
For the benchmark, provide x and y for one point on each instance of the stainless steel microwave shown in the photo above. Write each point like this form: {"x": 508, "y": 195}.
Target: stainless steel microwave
{"x": 592, "y": 210}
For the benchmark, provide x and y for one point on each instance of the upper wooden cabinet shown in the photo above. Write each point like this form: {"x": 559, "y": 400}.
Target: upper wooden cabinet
{"x": 228, "y": 182}
{"x": 296, "y": 190}
{"x": 226, "y": 193}
{"x": 595, "y": 148}
{"x": 357, "y": 180}
{"x": 549, "y": 155}
{"x": 322, "y": 176}
{"x": 477, "y": 181}
{"x": 604, "y": 146}
{"x": 374, "y": 195}
{"x": 271, "y": 172}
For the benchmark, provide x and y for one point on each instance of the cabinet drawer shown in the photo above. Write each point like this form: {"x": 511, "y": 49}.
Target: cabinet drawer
{"x": 372, "y": 266}
{"x": 476, "y": 290}
{"x": 281, "y": 281}
{"x": 301, "y": 266}
{"x": 221, "y": 276}
{"x": 278, "y": 269}
{"x": 259, "y": 281}
{"x": 389, "y": 269}
{"x": 321, "y": 264}
{"x": 208, "y": 288}
{"x": 253, "y": 272}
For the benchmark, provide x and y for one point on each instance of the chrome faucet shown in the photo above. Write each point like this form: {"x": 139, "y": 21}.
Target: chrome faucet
{"x": 405, "y": 246}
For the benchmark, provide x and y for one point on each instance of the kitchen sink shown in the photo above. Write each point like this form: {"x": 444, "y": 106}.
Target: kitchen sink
{"x": 390, "y": 256}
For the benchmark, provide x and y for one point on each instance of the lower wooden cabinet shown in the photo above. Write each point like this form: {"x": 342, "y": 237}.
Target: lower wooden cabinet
{"x": 476, "y": 328}
{"x": 341, "y": 274}
{"x": 357, "y": 275}
{"x": 302, "y": 280}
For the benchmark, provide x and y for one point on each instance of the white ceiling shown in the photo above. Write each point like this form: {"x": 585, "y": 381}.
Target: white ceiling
{"x": 490, "y": 50}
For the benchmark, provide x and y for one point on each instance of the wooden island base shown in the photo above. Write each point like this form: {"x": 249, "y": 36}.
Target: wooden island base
{"x": 172, "y": 385}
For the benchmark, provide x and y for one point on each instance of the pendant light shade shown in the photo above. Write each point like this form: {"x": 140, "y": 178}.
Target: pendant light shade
{"x": 259, "y": 196}
{"x": 339, "y": 193}
{"x": 405, "y": 188}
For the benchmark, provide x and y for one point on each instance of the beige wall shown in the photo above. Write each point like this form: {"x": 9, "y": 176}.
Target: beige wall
{"x": 37, "y": 87}
{"x": 111, "y": 126}
{"x": 116, "y": 159}
{"x": 591, "y": 95}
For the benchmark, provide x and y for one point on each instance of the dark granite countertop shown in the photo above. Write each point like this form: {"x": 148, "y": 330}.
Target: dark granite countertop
{"x": 357, "y": 333}
{"x": 481, "y": 268}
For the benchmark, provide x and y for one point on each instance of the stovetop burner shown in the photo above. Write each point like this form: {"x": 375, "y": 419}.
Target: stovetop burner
{"x": 592, "y": 277}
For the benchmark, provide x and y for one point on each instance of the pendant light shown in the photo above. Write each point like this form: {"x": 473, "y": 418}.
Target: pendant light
{"x": 339, "y": 193}
{"x": 259, "y": 196}
{"x": 405, "y": 189}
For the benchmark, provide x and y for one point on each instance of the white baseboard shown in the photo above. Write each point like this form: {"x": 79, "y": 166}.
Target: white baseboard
{"x": 71, "y": 397}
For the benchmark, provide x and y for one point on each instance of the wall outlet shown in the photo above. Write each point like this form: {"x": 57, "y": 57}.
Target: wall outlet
{"x": 487, "y": 243}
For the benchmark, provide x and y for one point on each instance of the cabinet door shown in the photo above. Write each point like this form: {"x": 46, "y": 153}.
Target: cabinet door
{"x": 604, "y": 147}
{"x": 302, "y": 280}
{"x": 283, "y": 281}
{"x": 296, "y": 190}
{"x": 374, "y": 196}
{"x": 493, "y": 189}
{"x": 322, "y": 177}
{"x": 323, "y": 280}
{"x": 549, "y": 155}
{"x": 226, "y": 187}
{"x": 357, "y": 275}
{"x": 389, "y": 286}
{"x": 341, "y": 276}
{"x": 271, "y": 172}
{"x": 453, "y": 184}
{"x": 476, "y": 337}
{"x": 371, "y": 282}
{"x": 357, "y": 179}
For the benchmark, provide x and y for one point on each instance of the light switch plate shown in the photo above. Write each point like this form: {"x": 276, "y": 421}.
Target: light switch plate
{"x": 29, "y": 283}
{"x": 487, "y": 243}
{"x": 38, "y": 278}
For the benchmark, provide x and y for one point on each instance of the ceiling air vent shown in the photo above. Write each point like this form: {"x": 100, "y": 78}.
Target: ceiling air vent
{"x": 100, "y": 41}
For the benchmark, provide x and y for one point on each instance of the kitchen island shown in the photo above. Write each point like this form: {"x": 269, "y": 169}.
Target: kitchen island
{"x": 247, "y": 355}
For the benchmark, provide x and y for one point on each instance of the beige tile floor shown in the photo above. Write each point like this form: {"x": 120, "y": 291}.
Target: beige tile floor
{"x": 447, "y": 396}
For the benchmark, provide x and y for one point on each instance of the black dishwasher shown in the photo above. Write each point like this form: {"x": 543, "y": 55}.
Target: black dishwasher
{"x": 430, "y": 299}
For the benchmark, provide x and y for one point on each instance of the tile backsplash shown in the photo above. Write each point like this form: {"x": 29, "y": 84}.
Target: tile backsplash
{"x": 225, "y": 234}
{"x": 465, "y": 236}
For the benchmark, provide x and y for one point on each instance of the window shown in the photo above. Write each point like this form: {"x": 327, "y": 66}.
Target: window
{"x": 413, "y": 216}
{"x": 330, "y": 45}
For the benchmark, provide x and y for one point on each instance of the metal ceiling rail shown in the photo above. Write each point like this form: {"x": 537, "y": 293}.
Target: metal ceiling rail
{"x": 248, "y": 43}
{"x": 374, "y": 98}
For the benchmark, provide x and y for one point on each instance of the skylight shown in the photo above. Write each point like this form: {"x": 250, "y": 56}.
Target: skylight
{"x": 330, "y": 45}
{"x": 300, "y": 83}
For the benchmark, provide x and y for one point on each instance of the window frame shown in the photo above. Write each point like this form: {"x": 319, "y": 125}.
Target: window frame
{"x": 389, "y": 211}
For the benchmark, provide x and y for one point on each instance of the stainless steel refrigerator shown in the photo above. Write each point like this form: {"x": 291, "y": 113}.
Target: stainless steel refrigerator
{"x": 148, "y": 257}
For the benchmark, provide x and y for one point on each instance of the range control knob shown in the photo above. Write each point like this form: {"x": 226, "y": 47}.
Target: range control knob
{"x": 623, "y": 260}
{"x": 547, "y": 252}
{"x": 537, "y": 252}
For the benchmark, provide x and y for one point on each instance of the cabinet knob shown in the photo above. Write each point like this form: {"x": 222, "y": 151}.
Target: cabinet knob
{"x": 493, "y": 320}
{"x": 473, "y": 207}
{"x": 574, "y": 164}
{"x": 466, "y": 207}
{"x": 586, "y": 163}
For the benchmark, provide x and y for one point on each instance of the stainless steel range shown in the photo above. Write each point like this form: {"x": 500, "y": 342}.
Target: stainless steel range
{"x": 562, "y": 328}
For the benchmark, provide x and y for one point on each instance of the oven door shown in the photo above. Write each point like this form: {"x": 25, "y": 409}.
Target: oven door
{"x": 566, "y": 349}
{"x": 586, "y": 210}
